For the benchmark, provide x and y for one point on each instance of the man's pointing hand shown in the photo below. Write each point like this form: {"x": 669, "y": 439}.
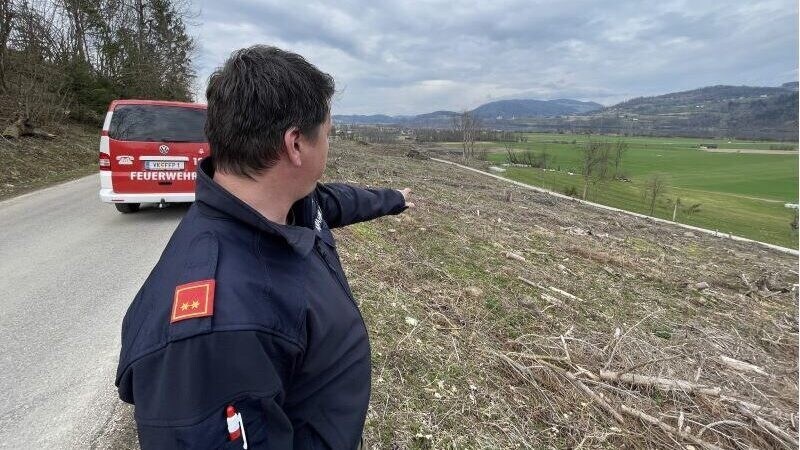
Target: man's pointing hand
{"x": 406, "y": 194}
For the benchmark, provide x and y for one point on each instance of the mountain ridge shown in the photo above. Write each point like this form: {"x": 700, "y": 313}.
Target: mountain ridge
{"x": 720, "y": 110}
{"x": 491, "y": 110}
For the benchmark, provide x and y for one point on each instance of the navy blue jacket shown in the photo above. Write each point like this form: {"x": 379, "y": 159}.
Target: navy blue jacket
{"x": 285, "y": 343}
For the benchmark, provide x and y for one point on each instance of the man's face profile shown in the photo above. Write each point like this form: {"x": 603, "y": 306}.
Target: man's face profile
{"x": 317, "y": 152}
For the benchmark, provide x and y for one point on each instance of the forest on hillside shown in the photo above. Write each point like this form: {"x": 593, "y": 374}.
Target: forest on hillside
{"x": 67, "y": 59}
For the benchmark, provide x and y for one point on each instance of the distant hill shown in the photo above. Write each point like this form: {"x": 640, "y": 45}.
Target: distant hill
{"x": 715, "y": 111}
{"x": 493, "y": 111}
{"x": 707, "y": 99}
{"x": 374, "y": 119}
{"x": 510, "y": 109}
{"x": 745, "y": 112}
{"x": 437, "y": 115}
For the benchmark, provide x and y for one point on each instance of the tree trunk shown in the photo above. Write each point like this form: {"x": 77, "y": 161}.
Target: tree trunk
{"x": 6, "y": 24}
{"x": 140, "y": 27}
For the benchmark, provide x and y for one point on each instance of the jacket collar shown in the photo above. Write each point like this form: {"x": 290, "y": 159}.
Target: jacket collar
{"x": 213, "y": 199}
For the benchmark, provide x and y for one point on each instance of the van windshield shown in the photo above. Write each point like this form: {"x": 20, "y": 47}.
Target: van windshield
{"x": 155, "y": 123}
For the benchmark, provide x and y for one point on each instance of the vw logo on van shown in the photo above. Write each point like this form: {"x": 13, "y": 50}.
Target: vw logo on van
{"x": 163, "y": 149}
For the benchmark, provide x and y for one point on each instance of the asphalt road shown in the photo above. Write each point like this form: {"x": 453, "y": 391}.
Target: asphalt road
{"x": 69, "y": 267}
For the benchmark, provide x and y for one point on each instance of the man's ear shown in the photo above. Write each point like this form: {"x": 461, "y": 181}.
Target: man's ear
{"x": 291, "y": 145}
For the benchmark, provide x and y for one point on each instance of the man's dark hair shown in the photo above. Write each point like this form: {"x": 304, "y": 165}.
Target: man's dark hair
{"x": 258, "y": 94}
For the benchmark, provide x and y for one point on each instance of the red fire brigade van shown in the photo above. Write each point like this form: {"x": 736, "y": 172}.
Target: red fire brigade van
{"x": 149, "y": 152}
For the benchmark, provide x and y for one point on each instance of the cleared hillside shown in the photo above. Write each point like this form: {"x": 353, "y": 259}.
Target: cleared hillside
{"x": 503, "y": 318}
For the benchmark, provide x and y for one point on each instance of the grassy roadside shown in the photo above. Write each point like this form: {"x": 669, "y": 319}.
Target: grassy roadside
{"x": 33, "y": 163}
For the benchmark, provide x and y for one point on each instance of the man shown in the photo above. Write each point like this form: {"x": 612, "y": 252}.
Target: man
{"x": 246, "y": 334}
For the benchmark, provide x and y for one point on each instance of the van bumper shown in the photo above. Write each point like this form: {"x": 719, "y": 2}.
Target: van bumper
{"x": 109, "y": 196}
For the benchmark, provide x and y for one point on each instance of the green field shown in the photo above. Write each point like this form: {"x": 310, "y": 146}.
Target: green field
{"x": 739, "y": 193}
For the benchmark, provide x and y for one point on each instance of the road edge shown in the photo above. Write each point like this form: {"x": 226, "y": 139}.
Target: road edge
{"x": 48, "y": 187}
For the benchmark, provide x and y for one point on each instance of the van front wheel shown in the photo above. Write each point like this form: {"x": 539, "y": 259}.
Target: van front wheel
{"x": 127, "y": 208}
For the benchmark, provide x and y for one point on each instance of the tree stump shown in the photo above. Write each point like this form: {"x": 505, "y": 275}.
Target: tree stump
{"x": 22, "y": 126}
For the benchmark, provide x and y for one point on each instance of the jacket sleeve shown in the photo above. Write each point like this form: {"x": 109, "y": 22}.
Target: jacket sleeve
{"x": 344, "y": 204}
{"x": 181, "y": 392}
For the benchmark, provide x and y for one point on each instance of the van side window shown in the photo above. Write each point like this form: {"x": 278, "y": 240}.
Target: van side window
{"x": 157, "y": 123}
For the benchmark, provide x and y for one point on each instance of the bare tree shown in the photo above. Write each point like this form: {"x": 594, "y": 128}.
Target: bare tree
{"x": 596, "y": 156}
{"x": 512, "y": 155}
{"x": 475, "y": 132}
{"x": 654, "y": 187}
{"x": 620, "y": 148}
{"x": 76, "y": 14}
{"x": 34, "y": 73}
{"x": 467, "y": 127}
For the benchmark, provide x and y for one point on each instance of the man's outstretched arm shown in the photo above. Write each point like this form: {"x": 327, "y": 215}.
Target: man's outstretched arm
{"x": 344, "y": 204}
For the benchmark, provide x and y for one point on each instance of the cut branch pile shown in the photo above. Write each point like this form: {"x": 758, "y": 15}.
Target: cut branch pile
{"x": 689, "y": 414}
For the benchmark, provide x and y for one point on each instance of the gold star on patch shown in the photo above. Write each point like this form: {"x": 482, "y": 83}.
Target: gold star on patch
{"x": 193, "y": 300}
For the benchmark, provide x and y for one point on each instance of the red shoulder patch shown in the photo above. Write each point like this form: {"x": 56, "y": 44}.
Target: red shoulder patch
{"x": 192, "y": 300}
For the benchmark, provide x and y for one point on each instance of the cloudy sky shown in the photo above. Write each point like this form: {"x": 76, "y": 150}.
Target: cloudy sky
{"x": 411, "y": 57}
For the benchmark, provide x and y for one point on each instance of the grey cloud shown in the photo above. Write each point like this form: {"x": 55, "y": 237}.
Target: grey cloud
{"x": 403, "y": 57}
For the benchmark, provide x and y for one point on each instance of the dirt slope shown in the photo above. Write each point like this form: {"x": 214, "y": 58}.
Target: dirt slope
{"x": 29, "y": 163}
{"x": 468, "y": 354}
